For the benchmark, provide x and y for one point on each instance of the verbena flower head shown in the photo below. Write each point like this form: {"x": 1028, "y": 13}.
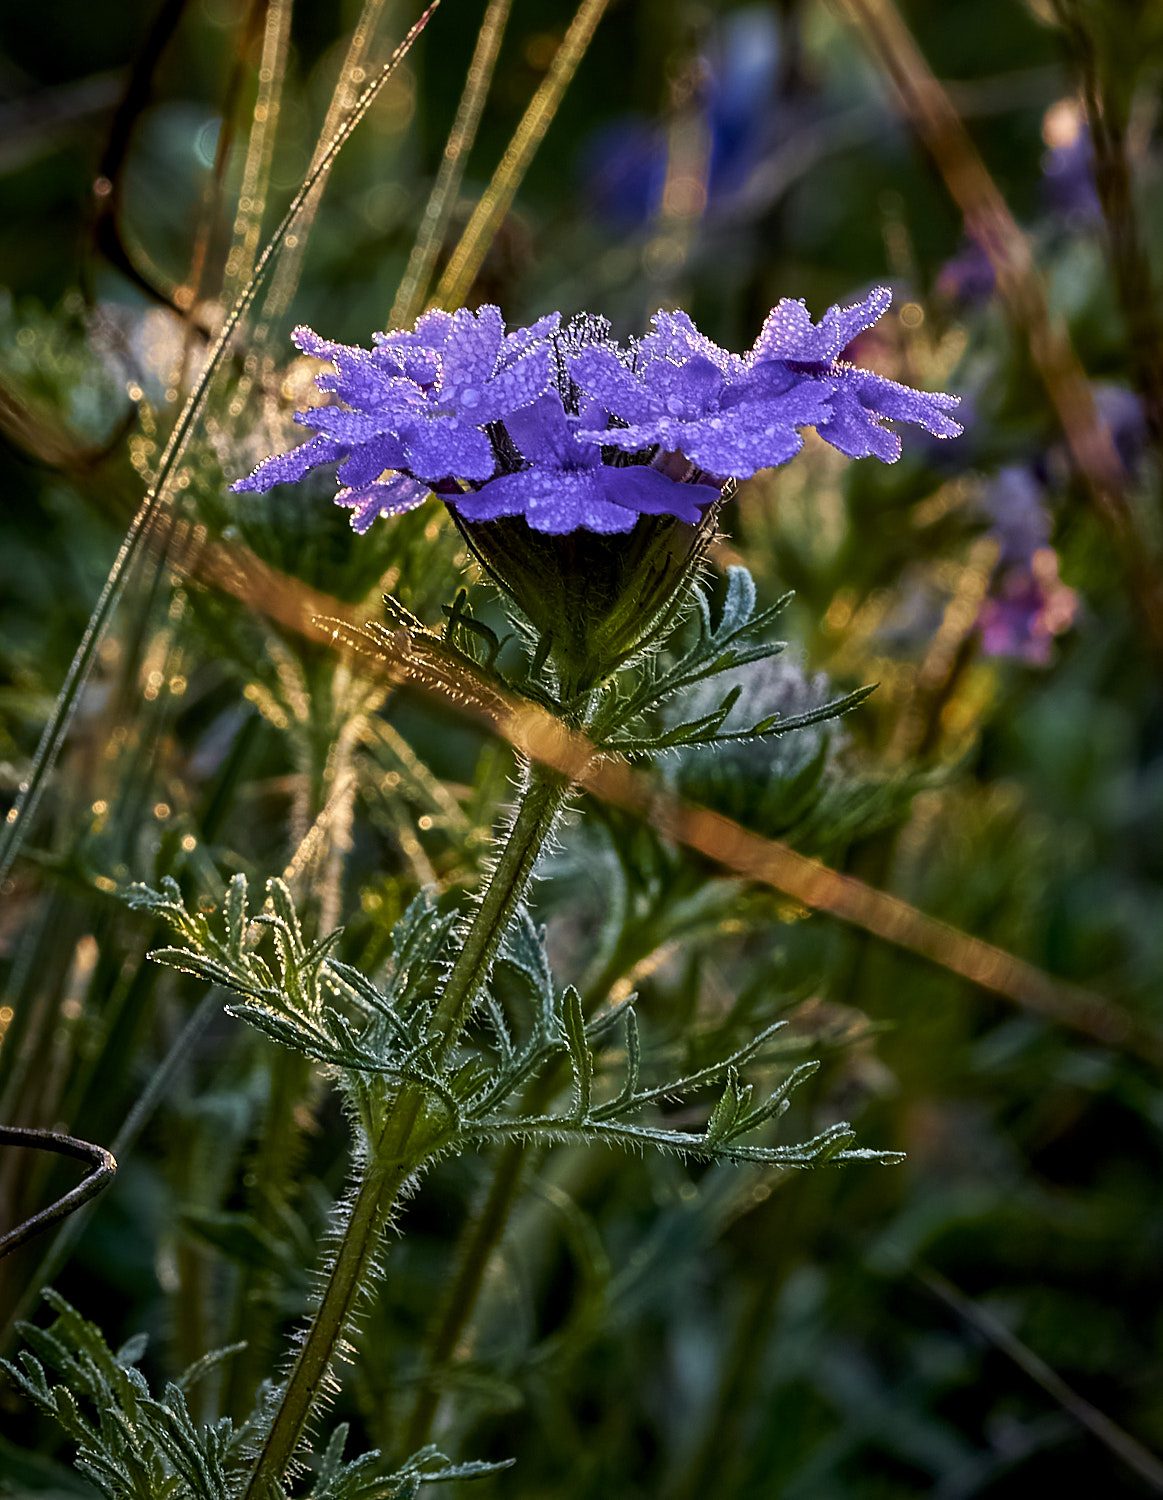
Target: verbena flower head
{"x": 586, "y": 474}
{"x": 570, "y": 430}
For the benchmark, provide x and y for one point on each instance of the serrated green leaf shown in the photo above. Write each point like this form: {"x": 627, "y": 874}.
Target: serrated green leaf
{"x": 234, "y": 911}
{"x": 581, "y": 1060}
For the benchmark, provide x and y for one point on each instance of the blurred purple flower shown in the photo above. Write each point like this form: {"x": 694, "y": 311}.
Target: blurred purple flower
{"x": 1123, "y": 412}
{"x": 626, "y": 163}
{"x": 967, "y": 278}
{"x": 1027, "y": 607}
{"x": 1068, "y": 164}
{"x": 1028, "y": 604}
{"x": 1014, "y": 503}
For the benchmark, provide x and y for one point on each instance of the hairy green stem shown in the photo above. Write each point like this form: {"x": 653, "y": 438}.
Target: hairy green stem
{"x": 542, "y": 800}
{"x": 394, "y": 1157}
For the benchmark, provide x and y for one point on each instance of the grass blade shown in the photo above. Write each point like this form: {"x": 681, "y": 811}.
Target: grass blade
{"x": 24, "y": 809}
{"x": 433, "y": 226}
{"x": 497, "y": 199}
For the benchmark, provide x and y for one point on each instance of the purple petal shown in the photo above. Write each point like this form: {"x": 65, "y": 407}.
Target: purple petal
{"x": 774, "y": 377}
{"x": 553, "y": 501}
{"x": 417, "y": 363}
{"x": 392, "y": 498}
{"x": 759, "y": 433}
{"x": 845, "y": 323}
{"x": 603, "y": 377}
{"x": 545, "y": 435}
{"x": 369, "y": 460}
{"x": 472, "y": 347}
{"x": 440, "y": 446}
{"x": 309, "y": 342}
{"x": 855, "y": 431}
{"x": 504, "y": 496}
{"x": 524, "y": 338}
{"x": 675, "y": 337}
{"x": 367, "y": 386}
{"x": 566, "y": 502}
{"x": 349, "y": 427}
{"x": 431, "y": 332}
{"x": 653, "y": 432}
{"x": 688, "y": 390}
{"x": 741, "y": 452}
{"x": 286, "y": 468}
{"x": 888, "y": 398}
{"x": 789, "y": 333}
{"x": 516, "y": 386}
{"x": 640, "y": 488}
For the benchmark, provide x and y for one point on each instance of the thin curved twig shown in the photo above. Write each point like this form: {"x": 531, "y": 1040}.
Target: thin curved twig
{"x": 104, "y": 1170}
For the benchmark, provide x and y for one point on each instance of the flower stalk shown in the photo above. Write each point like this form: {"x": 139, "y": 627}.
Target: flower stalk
{"x": 391, "y": 1160}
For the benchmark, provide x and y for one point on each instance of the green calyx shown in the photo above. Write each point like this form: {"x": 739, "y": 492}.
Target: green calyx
{"x": 593, "y": 601}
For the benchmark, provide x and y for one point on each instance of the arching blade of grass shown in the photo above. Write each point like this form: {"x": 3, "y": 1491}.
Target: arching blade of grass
{"x": 256, "y": 167}
{"x": 286, "y": 280}
{"x": 21, "y": 814}
{"x": 434, "y": 225}
{"x": 497, "y": 199}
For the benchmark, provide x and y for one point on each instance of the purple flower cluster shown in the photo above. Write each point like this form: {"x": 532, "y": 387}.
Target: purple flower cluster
{"x": 736, "y": 108}
{"x": 1028, "y": 604}
{"x": 560, "y": 424}
{"x": 1068, "y": 181}
{"x": 967, "y": 279}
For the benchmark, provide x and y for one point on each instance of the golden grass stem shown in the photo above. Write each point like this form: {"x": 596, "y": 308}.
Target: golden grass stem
{"x": 468, "y": 257}
{"x": 413, "y": 288}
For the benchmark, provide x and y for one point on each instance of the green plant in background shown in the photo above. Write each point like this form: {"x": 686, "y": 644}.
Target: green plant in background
{"x": 130, "y": 1443}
